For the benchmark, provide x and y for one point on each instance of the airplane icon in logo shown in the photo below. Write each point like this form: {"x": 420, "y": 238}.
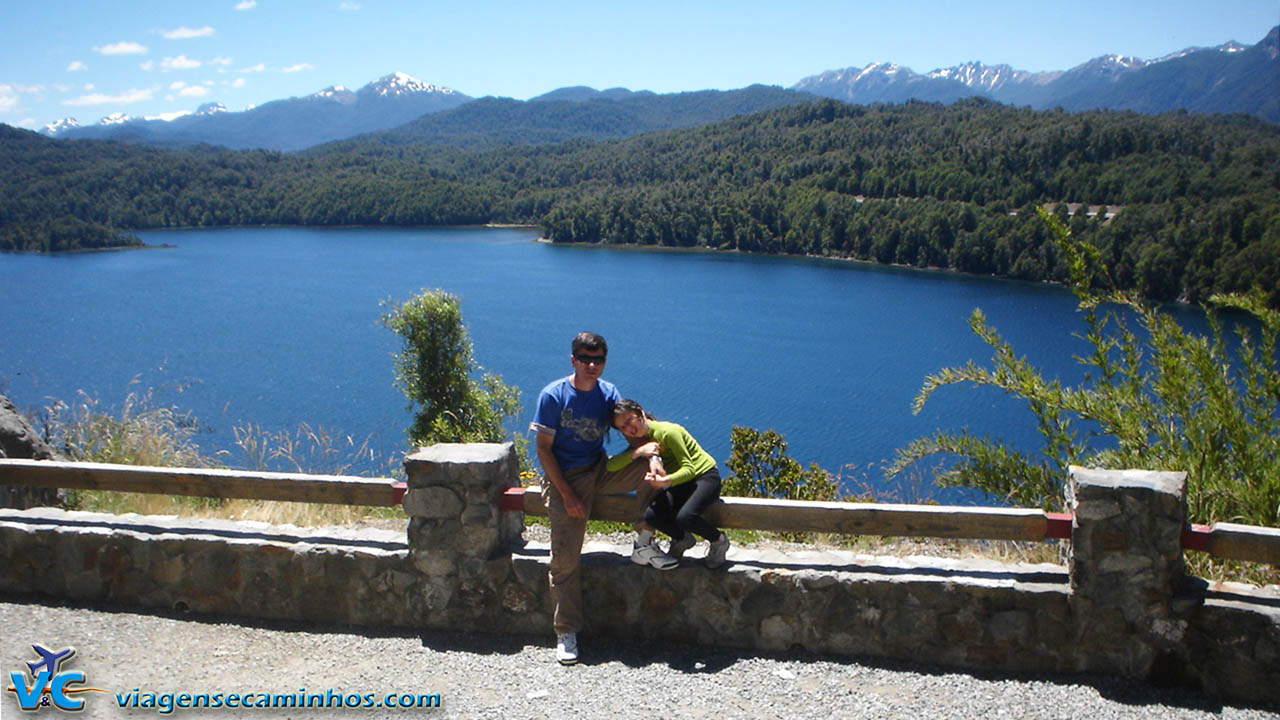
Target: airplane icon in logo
{"x": 51, "y": 661}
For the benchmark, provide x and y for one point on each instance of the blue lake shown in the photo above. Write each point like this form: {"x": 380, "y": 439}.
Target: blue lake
{"x": 277, "y": 326}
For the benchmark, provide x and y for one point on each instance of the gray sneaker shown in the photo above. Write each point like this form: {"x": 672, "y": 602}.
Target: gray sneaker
{"x": 677, "y": 548}
{"x": 567, "y": 648}
{"x": 651, "y": 554}
{"x": 719, "y": 548}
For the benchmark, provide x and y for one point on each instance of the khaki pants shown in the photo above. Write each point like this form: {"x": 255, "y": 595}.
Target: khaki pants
{"x": 567, "y": 532}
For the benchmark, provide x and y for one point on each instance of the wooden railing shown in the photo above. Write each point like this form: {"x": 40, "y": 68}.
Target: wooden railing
{"x": 842, "y": 518}
{"x": 1228, "y": 540}
{"x": 203, "y": 482}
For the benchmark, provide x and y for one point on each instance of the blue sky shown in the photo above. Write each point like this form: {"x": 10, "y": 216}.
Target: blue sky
{"x": 89, "y": 58}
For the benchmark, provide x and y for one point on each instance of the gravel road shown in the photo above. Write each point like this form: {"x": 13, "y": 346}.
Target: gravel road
{"x": 480, "y": 676}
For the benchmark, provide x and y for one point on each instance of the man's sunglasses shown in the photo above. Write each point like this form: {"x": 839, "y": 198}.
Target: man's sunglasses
{"x": 589, "y": 359}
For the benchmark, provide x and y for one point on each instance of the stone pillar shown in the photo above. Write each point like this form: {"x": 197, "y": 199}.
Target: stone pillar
{"x": 1126, "y": 568}
{"x": 455, "y": 537}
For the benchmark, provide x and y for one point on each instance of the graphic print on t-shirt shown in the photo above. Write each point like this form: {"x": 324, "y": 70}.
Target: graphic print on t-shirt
{"x": 588, "y": 429}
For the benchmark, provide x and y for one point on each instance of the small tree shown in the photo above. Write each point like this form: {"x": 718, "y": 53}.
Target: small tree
{"x": 1161, "y": 399}
{"x": 761, "y": 468}
{"x": 435, "y": 369}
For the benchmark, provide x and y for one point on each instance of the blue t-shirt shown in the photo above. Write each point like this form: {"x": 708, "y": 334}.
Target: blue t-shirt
{"x": 578, "y": 420}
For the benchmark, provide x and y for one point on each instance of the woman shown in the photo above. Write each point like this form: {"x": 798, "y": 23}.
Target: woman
{"x": 684, "y": 471}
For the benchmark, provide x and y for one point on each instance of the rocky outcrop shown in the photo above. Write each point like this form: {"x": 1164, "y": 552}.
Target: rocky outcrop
{"x": 18, "y": 439}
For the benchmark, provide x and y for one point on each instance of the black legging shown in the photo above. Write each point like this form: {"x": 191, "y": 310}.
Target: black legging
{"x": 679, "y": 508}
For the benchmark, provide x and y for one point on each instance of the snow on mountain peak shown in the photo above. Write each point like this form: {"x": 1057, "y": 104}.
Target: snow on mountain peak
{"x": 978, "y": 75}
{"x": 1110, "y": 67}
{"x": 884, "y": 68}
{"x": 398, "y": 83}
{"x": 62, "y": 125}
{"x": 1231, "y": 46}
{"x": 336, "y": 93}
{"x": 211, "y": 108}
{"x": 115, "y": 118}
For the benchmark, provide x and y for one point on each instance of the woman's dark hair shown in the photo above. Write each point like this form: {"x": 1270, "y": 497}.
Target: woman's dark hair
{"x": 627, "y": 405}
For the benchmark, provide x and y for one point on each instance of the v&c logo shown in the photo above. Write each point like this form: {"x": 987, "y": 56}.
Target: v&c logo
{"x": 49, "y": 684}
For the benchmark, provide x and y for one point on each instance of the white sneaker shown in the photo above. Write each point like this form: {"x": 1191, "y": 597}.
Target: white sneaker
{"x": 719, "y": 548}
{"x": 677, "y": 548}
{"x": 567, "y": 649}
{"x": 651, "y": 554}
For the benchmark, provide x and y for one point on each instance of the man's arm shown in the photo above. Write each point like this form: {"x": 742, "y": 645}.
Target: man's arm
{"x": 551, "y": 469}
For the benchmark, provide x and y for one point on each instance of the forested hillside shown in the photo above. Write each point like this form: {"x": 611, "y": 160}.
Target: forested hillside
{"x": 1196, "y": 199}
{"x": 576, "y": 114}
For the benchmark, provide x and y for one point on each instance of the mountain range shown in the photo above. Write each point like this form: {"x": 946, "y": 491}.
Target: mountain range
{"x": 399, "y": 109}
{"x": 1229, "y": 78}
{"x": 292, "y": 124}
{"x": 579, "y": 112}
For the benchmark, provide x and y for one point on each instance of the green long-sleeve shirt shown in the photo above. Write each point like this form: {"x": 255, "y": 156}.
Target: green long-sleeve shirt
{"x": 681, "y": 455}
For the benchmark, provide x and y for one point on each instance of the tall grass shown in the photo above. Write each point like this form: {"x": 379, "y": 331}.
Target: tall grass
{"x": 145, "y": 431}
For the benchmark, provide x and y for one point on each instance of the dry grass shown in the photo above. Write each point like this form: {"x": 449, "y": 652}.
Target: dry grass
{"x": 269, "y": 511}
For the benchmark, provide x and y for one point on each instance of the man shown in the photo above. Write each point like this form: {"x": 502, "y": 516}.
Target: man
{"x": 573, "y": 415}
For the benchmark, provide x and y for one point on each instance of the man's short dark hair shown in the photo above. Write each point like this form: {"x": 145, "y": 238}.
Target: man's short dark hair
{"x": 590, "y": 341}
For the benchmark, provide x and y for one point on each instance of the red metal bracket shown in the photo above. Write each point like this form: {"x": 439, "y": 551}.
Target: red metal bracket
{"x": 1058, "y": 525}
{"x": 1195, "y": 537}
{"x": 512, "y": 500}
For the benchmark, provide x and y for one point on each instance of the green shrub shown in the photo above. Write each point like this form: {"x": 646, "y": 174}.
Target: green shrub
{"x": 761, "y": 468}
{"x": 435, "y": 370}
{"x": 1160, "y": 398}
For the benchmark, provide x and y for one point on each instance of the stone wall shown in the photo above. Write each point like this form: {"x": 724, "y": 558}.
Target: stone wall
{"x": 248, "y": 569}
{"x": 1120, "y": 606}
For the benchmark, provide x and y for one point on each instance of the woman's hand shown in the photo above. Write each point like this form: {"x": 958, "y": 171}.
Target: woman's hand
{"x": 657, "y": 475}
{"x": 649, "y": 450}
{"x": 659, "y": 481}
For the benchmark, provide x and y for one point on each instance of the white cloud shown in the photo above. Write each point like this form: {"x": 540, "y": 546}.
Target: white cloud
{"x": 349, "y": 6}
{"x": 76, "y": 66}
{"x": 148, "y": 65}
{"x": 89, "y": 87}
{"x": 8, "y": 98}
{"x": 260, "y": 67}
{"x": 299, "y": 67}
{"x": 185, "y": 90}
{"x": 221, "y": 60}
{"x": 186, "y": 33}
{"x": 131, "y": 96}
{"x": 177, "y": 85}
{"x": 239, "y": 83}
{"x": 11, "y": 95}
{"x": 181, "y": 62}
{"x": 246, "y": 4}
{"x": 121, "y": 48}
